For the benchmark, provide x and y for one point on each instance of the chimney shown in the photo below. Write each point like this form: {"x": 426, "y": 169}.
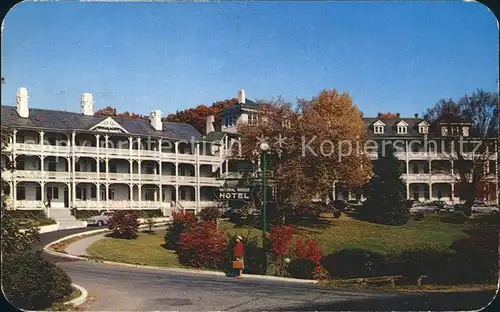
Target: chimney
{"x": 155, "y": 118}
{"x": 210, "y": 124}
{"x": 241, "y": 96}
{"x": 87, "y": 103}
{"x": 22, "y": 102}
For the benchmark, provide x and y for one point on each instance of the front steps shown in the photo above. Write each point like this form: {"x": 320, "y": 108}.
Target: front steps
{"x": 64, "y": 218}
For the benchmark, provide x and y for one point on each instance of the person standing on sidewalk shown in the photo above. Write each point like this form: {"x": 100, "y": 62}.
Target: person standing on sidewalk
{"x": 239, "y": 252}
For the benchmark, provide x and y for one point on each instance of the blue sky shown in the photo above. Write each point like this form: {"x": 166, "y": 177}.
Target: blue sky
{"x": 390, "y": 56}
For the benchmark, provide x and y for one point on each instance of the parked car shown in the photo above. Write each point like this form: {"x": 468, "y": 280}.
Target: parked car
{"x": 460, "y": 208}
{"x": 100, "y": 220}
{"x": 424, "y": 208}
{"x": 442, "y": 205}
{"x": 354, "y": 203}
{"x": 413, "y": 203}
{"x": 481, "y": 207}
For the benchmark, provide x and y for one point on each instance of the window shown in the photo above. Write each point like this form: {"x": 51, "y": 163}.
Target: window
{"x": 465, "y": 131}
{"x": 112, "y": 168}
{"x": 150, "y": 169}
{"x": 102, "y": 166}
{"x": 21, "y": 193}
{"x": 423, "y": 129}
{"x": 78, "y": 193}
{"x": 402, "y": 129}
{"x": 378, "y": 129}
{"x": 183, "y": 194}
{"x": 20, "y": 139}
{"x": 150, "y": 194}
{"x": 52, "y": 192}
{"x": 52, "y": 165}
{"x": 111, "y": 194}
{"x": 38, "y": 194}
{"x": 444, "y": 131}
{"x": 77, "y": 166}
{"x": 455, "y": 130}
{"x": 93, "y": 192}
{"x": 20, "y": 164}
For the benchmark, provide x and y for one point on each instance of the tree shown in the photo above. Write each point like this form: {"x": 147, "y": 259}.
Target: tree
{"x": 386, "y": 192}
{"x": 311, "y": 147}
{"x": 111, "y": 111}
{"x": 481, "y": 109}
{"x": 197, "y": 117}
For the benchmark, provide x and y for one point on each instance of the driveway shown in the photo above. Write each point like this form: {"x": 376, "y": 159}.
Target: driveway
{"x": 136, "y": 289}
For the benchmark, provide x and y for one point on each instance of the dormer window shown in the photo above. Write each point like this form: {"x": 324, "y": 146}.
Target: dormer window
{"x": 465, "y": 131}
{"x": 378, "y": 127}
{"x": 423, "y": 129}
{"x": 402, "y": 127}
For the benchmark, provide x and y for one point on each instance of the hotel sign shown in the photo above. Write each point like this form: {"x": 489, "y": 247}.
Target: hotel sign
{"x": 234, "y": 193}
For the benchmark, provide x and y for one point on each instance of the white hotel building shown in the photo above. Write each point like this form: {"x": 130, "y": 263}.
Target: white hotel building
{"x": 78, "y": 160}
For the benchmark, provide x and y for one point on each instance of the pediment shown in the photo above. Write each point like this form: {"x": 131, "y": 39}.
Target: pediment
{"x": 379, "y": 123}
{"x": 108, "y": 125}
{"x": 423, "y": 123}
{"x": 402, "y": 123}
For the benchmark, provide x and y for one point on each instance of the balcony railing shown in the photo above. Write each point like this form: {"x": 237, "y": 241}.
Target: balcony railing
{"x": 187, "y": 179}
{"x": 34, "y": 174}
{"x": 37, "y": 204}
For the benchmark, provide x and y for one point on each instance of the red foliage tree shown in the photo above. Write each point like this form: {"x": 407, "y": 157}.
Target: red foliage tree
{"x": 202, "y": 245}
{"x": 310, "y": 250}
{"x": 124, "y": 224}
{"x": 280, "y": 237}
{"x": 180, "y": 222}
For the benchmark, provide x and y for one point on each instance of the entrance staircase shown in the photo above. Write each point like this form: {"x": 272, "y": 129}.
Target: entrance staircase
{"x": 64, "y": 218}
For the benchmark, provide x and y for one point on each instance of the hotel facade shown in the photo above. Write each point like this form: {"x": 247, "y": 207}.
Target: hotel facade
{"x": 77, "y": 160}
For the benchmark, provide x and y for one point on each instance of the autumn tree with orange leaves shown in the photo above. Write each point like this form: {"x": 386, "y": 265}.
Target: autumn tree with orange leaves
{"x": 311, "y": 147}
{"x": 111, "y": 111}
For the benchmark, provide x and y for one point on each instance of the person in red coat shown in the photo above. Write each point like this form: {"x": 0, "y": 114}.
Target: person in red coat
{"x": 239, "y": 253}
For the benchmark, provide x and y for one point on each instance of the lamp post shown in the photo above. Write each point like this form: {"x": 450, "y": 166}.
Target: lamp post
{"x": 264, "y": 147}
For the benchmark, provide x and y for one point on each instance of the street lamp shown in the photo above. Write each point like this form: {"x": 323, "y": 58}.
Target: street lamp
{"x": 264, "y": 147}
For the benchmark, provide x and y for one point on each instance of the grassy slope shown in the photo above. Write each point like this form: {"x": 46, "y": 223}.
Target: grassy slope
{"x": 332, "y": 234}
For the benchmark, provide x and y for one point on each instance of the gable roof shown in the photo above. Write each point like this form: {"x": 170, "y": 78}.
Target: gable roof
{"x": 108, "y": 123}
{"x": 57, "y": 120}
{"x": 237, "y": 108}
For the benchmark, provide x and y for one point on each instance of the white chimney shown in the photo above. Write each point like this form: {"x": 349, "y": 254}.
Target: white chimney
{"x": 241, "y": 96}
{"x": 155, "y": 118}
{"x": 22, "y": 102}
{"x": 87, "y": 103}
{"x": 210, "y": 124}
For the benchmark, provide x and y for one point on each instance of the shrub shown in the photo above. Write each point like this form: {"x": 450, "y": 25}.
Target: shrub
{"x": 452, "y": 217}
{"x": 124, "y": 224}
{"x": 307, "y": 253}
{"x": 26, "y": 214}
{"x": 235, "y": 217}
{"x": 202, "y": 245}
{"x": 84, "y": 214}
{"x": 180, "y": 222}
{"x": 350, "y": 263}
{"x": 210, "y": 214}
{"x": 150, "y": 222}
{"x": 279, "y": 239}
{"x": 419, "y": 216}
{"x": 32, "y": 283}
{"x": 337, "y": 213}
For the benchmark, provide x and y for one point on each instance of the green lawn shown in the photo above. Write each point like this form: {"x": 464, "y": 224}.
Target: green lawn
{"x": 145, "y": 250}
{"x": 332, "y": 234}
{"x": 338, "y": 234}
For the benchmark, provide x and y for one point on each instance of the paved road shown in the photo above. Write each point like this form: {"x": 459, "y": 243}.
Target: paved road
{"x": 136, "y": 289}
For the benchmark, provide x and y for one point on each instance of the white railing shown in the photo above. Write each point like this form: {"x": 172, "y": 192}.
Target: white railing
{"x": 187, "y": 179}
{"x": 83, "y": 204}
{"x": 210, "y": 180}
{"x": 150, "y": 177}
{"x": 33, "y": 174}
{"x": 209, "y": 158}
{"x": 186, "y": 157}
{"x": 56, "y": 148}
{"x": 57, "y": 175}
{"x": 416, "y": 177}
{"x": 85, "y": 149}
{"x": 85, "y": 175}
{"x": 150, "y": 153}
{"x": 116, "y": 151}
{"x": 187, "y": 204}
{"x": 208, "y": 203}
{"x": 120, "y": 176}
{"x": 167, "y": 179}
{"x": 29, "y": 204}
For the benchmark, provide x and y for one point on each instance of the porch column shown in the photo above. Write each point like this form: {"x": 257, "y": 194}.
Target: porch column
{"x": 98, "y": 163}
{"x": 98, "y": 185}
{"x": 106, "y": 185}
{"x": 139, "y": 186}
{"x": 42, "y": 160}
{"x": 41, "y": 137}
{"x": 14, "y": 195}
{"x": 333, "y": 192}
{"x": 160, "y": 188}
{"x": 73, "y": 170}
{"x": 131, "y": 192}
{"x": 42, "y": 191}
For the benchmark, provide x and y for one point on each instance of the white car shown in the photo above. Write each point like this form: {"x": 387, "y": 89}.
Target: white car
{"x": 100, "y": 220}
{"x": 480, "y": 207}
{"x": 422, "y": 208}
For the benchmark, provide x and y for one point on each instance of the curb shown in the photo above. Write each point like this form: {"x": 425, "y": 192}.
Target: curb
{"x": 80, "y": 300}
{"x": 179, "y": 270}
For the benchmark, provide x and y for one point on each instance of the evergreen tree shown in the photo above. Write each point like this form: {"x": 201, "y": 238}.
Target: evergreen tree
{"x": 386, "y": 192}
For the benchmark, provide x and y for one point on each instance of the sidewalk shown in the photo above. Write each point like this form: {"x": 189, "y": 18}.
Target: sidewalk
{"x": 79, "y": 248}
